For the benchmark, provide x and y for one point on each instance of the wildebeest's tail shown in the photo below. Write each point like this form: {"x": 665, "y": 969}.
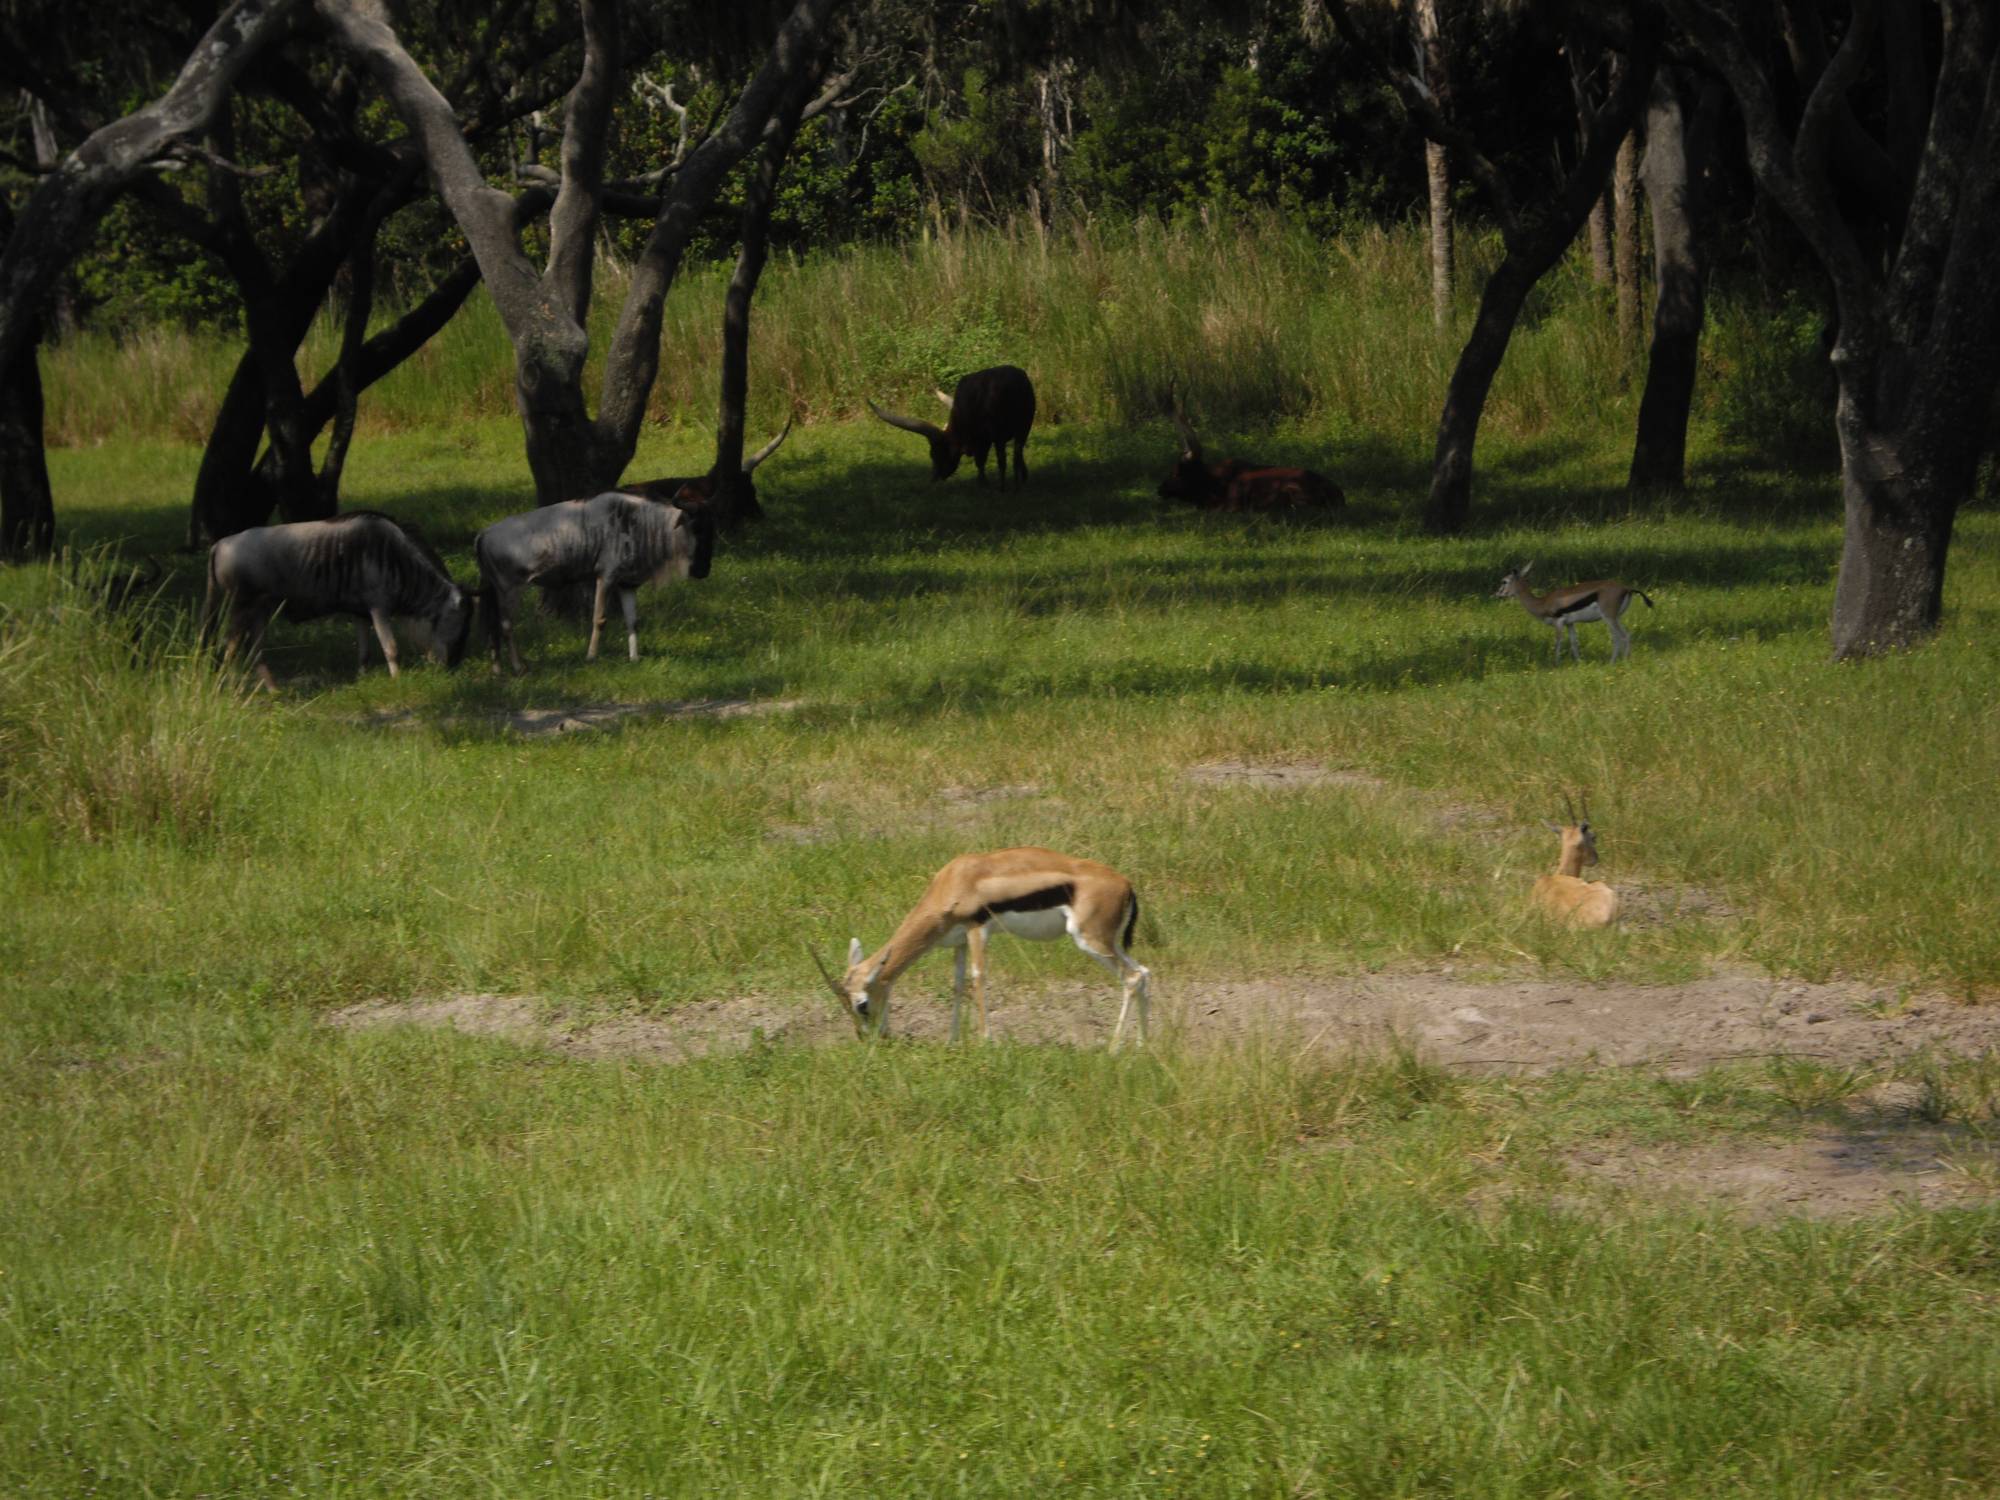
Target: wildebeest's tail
{"x": 1131, "y": 923}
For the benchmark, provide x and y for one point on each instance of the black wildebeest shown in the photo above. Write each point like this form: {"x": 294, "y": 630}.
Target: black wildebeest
{"x": 1240, "y": 485}
{"x": 362, "y": 563}
{"x": 732, "y": 503}
{"x": 621, "y": 541}
{"x": 989, "y": 410}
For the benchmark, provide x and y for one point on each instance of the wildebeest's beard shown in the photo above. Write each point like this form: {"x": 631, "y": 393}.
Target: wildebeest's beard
{"x": 455, "y": 629}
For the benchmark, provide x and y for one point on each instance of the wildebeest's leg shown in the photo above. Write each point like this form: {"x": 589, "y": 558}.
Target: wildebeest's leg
{"x": 597, "y": 616}
{"x": 386, "y": 634}
{"x": 361, "y": 632}
{"x": 249, "y": 622}
{"x": 628, "y": 601}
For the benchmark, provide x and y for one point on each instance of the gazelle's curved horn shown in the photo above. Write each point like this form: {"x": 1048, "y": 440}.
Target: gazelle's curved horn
{"x": 908, "y": 424}
{"x": 750, "y": 463}
{"x": 1190, "y": 445}
{"x": 1569, "y": 807}
{"x": 942, "y": 397}
{"x": 839, "y": 994}
{"x": 1584, "y": 796}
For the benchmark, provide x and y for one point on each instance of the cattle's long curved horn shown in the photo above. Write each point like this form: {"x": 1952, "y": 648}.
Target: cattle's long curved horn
{"x": 942, "y": 397}
{"x": 750, "y": 463}
{"x": 1191, "y": 446}
{"x": 839, "y": 994}
{"x": 908, "y": 424}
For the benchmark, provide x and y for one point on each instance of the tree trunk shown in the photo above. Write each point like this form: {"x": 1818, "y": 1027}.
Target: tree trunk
{"x": 1680, "y": 128}
{"x": 67, "y": 204}
{"x": 230, "y": 493}
{"x": 1625, "y": 229}
{"x": 1891, "y": 590}
{"x": 27, "y": 506}
{"x": 1433, "y": 66}
{"x": 1532, "y": 248}
{"x": 758, "y": 201}
{"x": 1602, "y": 270}
{"x": 1465, "y": 398}
{"x": 1437, "y": 167}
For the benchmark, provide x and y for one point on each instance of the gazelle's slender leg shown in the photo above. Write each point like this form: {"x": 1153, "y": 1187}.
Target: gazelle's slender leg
{"x": 628, "y": 601}
{"x": 957, "y": 990}
{"x": 1556, "y": 641}
{"x": 386, "y": 634}
{"x": 1621, "y": 638}
{"x": 975, "y": 950}
{"x": 1575, "y": 651}
{"x": 597, "y": 617}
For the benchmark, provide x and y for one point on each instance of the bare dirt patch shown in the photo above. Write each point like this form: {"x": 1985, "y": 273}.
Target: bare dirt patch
{"x": 1521, "y": 1026}
{"x": 1834, "y": 1172}
{"x": 576, "y": 718}
{"x": 1887, "y": 1157}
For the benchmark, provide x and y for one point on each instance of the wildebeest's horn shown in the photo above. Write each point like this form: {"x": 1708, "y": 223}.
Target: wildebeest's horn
{"x": 839, "y": 994}
{"x": 908, "y": 424}
{"x": 1190, "y": 445}
{"x": 750, "y": 463}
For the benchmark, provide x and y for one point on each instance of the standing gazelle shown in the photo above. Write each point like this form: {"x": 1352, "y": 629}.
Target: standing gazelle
{"x": 1564, "y": 609}
{"x": 1566, "y": 895}
{"x": 1032, "y": 893}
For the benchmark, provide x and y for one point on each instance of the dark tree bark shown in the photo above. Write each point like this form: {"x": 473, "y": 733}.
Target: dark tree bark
{"x": 27, "y": 506}
{"x": 1917, "y": 355}
{"x": 1680, "y": 134}
{"x": 1535, "y": 239}
{"x": 1434, "y": 60}
{"x": 1533, "y": 246}
{"x": 66, "y": 206}
{"x": 570, "y": 453}
{"x": 1625, "y": 230}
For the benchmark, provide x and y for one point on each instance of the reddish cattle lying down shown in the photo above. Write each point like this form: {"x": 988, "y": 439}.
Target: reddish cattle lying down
{"x": 1239, "y": 485}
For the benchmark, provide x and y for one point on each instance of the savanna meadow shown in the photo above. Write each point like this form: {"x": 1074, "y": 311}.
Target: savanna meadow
{"x": 457, "y": 1081}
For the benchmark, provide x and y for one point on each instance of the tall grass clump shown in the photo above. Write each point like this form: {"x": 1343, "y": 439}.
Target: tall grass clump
{"x": 112, "y": 723}
{"x": 1251, "y": 323}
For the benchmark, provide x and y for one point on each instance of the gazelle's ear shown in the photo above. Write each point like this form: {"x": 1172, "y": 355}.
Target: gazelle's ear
{"x": 853, "y": 952}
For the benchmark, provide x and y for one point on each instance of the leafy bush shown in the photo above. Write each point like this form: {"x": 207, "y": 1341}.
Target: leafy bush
{"x": 1774, "y": 384}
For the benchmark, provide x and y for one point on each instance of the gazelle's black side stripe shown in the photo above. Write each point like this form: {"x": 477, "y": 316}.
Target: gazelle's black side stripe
{"x": 1042, "y": 900}
{"x": 1576, "y": 607}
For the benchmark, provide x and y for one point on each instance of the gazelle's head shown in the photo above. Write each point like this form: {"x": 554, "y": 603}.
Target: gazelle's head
{"x": 1579, "y": 840}
{"x": 1511, "y": 586}
{"x": 861, "y": 991}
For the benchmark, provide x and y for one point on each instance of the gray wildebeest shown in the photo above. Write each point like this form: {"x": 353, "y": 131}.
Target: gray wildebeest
{"x": 363, "y": 564}
{"x": 989, "y": 410}
{"x": 731, "y": 503}
{"x": 616, "y": 539}
{"x": 1239, "y": 485}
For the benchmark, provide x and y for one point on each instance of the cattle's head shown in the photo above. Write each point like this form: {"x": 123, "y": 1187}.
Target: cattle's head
{"x": 1191, "y": 479}
{"x": 945, "y": 454}
{"x": 694, "y": 534}
{"x": 862, "y": 992}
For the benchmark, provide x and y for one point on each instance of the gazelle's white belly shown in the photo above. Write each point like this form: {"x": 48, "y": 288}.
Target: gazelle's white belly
{"x": 1038, "y": 926}
{"x": 1580, "y": 616}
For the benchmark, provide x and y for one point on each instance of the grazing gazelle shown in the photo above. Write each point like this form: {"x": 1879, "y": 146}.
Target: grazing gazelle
{"x": 1565, "y": 895}
{"x": 1032, "y": 893}
{"x": 1564, "y": 609}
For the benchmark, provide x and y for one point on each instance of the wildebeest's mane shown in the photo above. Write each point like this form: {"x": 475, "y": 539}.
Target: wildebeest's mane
{"x": 414, "y": 584}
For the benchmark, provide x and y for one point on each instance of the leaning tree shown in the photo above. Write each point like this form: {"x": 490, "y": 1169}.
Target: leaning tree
{"x": 1916, "y": 353}
{"x": 545, "y": 309}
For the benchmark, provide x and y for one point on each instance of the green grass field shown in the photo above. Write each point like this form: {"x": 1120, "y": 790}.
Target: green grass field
{"x": 241, "y": 1253}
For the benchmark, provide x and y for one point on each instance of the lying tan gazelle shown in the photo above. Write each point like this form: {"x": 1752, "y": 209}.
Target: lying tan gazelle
{"x": 1564, "y": 609}
{"x": 1565, "y": 895}
{"x": 1032, "y": 893}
